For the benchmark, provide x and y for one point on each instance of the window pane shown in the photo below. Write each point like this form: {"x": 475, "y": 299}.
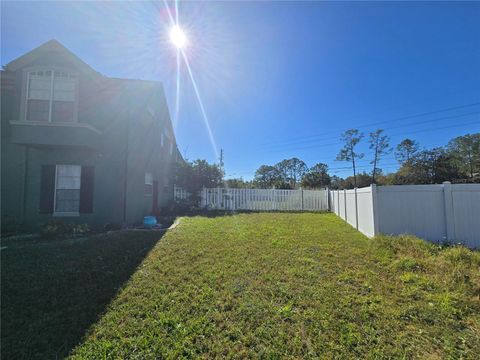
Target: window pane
{"x": 64, "y": 89}
{"x": 148, "y": 190}
{"x": 68, "y": 176}
{"x": 68, "y": 182}
{"x": 39, "y": 87}
{"x": 62, "y": 111}
{"x": 69, "y": 170}
{"x": 67, "y": 200}
{"x": 37, "y": 110}
{"x": 68, "y": 188}
{"x": 148, "y": 178}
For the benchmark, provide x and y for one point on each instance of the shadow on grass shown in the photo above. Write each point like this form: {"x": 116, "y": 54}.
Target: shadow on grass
{"x": 52, "y": 292}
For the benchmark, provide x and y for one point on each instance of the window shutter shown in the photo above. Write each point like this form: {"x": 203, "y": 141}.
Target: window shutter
{"x": 86, "y": 190}
{"x": 47, "y": 189}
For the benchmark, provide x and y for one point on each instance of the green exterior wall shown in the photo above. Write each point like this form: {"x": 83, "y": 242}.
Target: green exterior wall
{"x": 122, "y": 142}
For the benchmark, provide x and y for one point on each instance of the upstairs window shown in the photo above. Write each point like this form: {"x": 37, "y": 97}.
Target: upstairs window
{"x": 51, "y": 96}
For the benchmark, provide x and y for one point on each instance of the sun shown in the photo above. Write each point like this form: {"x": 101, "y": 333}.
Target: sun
{"x": 177, "y": 37}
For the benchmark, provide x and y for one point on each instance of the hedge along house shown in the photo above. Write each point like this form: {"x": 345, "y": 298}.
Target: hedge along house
{"x": 80, "y": 146}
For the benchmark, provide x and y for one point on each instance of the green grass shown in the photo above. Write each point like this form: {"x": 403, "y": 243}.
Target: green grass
{"x": 278, "y": 285}
{"x": 53, "y": 291}
{"x": 259, "y": 285}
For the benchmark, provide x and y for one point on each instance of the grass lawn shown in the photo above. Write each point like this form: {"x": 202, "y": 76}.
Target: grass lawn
{"x": 278, "y": 285}
{"x": 53, "y": 291}
{"x": 271, "y": 285}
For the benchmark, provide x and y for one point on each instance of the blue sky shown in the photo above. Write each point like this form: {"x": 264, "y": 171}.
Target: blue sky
{"x": 281, "y": 79}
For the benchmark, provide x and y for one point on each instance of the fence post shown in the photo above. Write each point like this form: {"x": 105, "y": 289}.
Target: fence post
{"x": 449, "y": 219}
{"x": 327, "y": 195}
{"x": 376, "y": 224}
{"x": 356, "y": 209}
{"x": 338, "y": 202}
{"x": 302, "y": 199}
{"x": 345, "y": 202}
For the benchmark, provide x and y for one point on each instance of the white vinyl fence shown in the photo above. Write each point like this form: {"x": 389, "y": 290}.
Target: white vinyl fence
{"x": 264, "y": 199}
{"x": 438, "y": 213}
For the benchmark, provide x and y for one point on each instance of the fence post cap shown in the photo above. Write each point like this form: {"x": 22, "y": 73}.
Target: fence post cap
{"x": 446, "y": 182}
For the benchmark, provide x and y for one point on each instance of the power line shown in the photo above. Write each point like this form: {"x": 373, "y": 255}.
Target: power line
{"x": 378, "y": 123}
{"x": 398, "y": 127}
{"x": 329, "y": 168}
{"x": 360, "y": 160}
{"x": 391, "y": 135}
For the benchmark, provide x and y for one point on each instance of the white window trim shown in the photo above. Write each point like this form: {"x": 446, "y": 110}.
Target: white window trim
{"x": 25, "y": 91}
{"x": 63, "y": 213}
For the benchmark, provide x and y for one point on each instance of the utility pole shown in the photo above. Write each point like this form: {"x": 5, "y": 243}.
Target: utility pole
{"x": 221, "y": 160}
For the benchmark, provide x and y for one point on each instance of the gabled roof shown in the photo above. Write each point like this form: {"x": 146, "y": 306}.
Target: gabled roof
{"x": 47, "y": 48}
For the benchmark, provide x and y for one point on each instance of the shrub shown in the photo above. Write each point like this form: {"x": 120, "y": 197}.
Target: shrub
{"x": 180, "y": 207}
{"x": 57, "y": 228}
{"x": 112, "y": 227}
{"x": 9, "y": 226}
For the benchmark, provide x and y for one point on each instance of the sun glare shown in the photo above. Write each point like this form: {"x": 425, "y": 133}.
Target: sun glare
{"x": 177, "y": 37}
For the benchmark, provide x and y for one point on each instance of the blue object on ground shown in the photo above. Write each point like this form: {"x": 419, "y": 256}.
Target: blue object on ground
{"x": 149, "y": 221}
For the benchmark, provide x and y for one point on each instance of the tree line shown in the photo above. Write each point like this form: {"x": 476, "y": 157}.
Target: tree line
{"x": 458, "y": 162}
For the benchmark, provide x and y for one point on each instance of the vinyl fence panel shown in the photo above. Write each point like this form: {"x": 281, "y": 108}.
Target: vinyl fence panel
{"x": 357, "y": 212}
{"x": 350, "y": 208}
{"x": 366, "y": 223}
{"x": 438, "y": 213}
{"x": 412, "y": 209}
{"x": 466, "y": 213}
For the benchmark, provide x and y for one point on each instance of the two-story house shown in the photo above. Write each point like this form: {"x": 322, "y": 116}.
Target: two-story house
{"x": 81, "y": 146}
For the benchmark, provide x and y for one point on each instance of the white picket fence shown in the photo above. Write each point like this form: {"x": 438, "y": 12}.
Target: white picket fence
{"x": 259, "y": 199}
{"x": 264, "y": 199}
{"x": 179, "y": 193}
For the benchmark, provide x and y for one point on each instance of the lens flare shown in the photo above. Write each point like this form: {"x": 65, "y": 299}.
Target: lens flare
{"x": 178, "y": 37}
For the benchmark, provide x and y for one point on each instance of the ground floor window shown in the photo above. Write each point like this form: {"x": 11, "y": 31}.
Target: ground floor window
{"x": 67, "y": 189}
{"x": 148, "y": 190}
